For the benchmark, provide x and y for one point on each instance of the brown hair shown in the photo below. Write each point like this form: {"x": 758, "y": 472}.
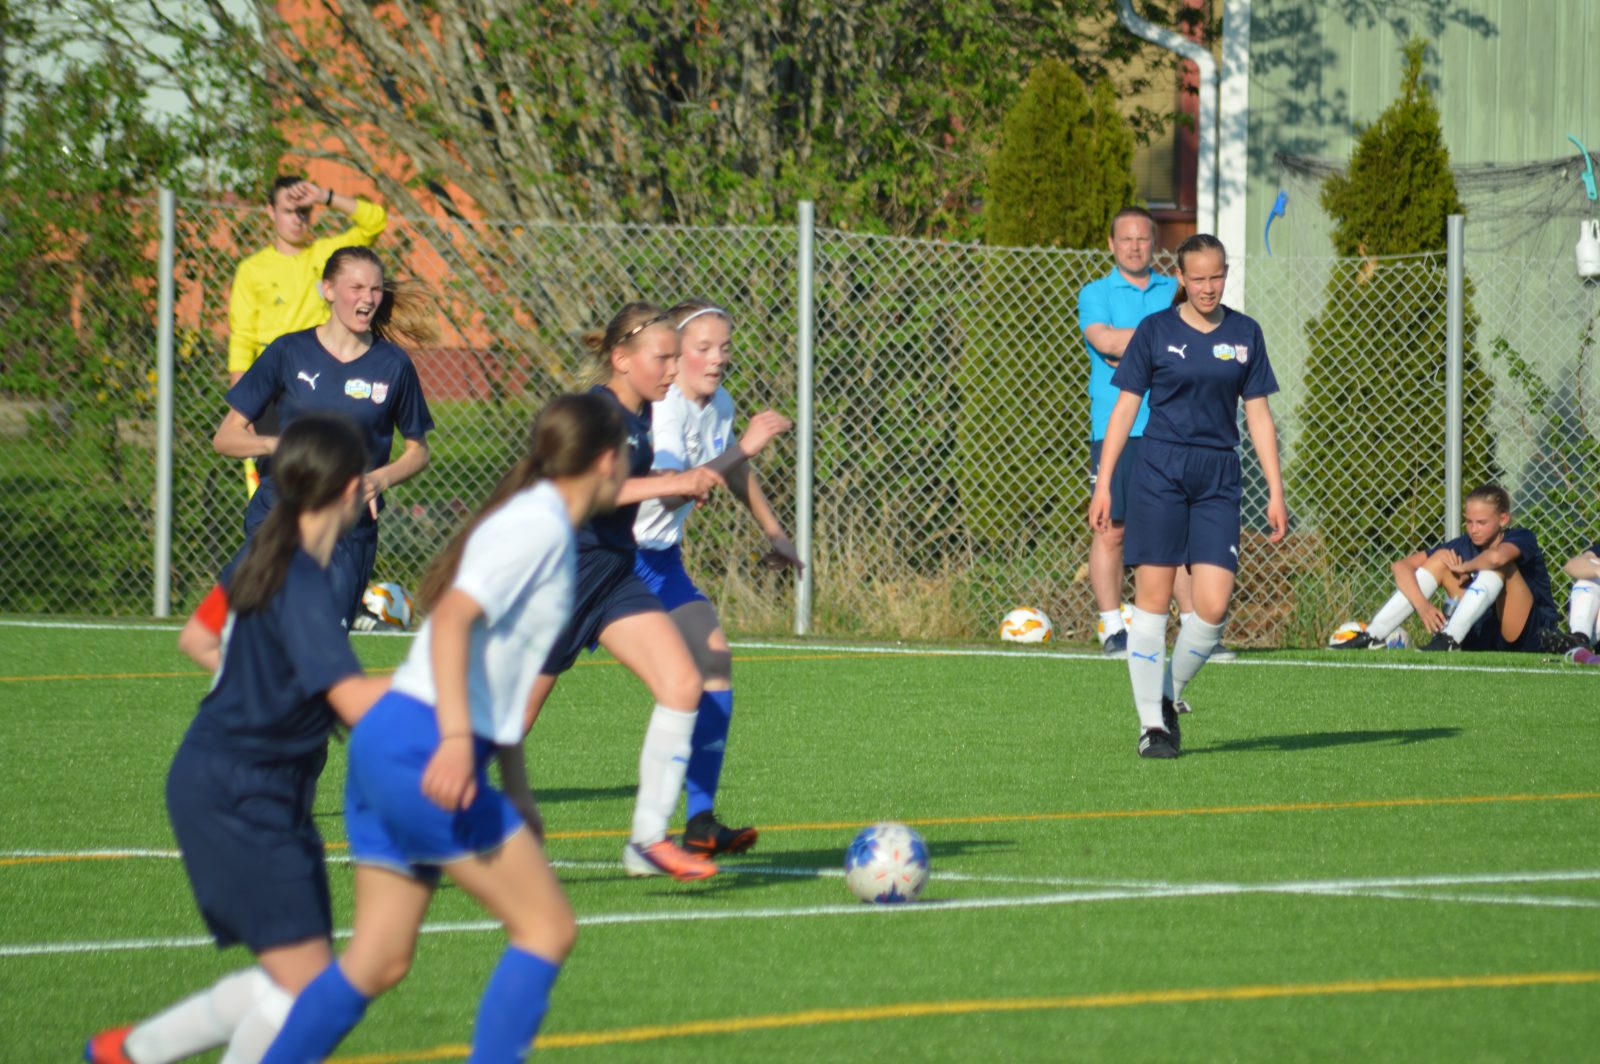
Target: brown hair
{"x": 628, "y": 323}
{"x": 282, "y": 182}
{"x": 1494, "y": 494}
{"x": 317, "y": 457}
{"x": 408, "y": 315}
{"x": 1193, "y": 243}
{"x": 1134, "y": 212}
{"x": 568, "y": 436}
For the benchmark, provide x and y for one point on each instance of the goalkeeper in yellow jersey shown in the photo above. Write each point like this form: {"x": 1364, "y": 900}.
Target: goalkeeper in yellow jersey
{"x": 275, "y": 289}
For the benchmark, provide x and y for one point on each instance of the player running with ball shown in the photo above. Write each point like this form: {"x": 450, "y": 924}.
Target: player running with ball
{"x": 1197, "y": 360}
{"x": 418, "y": 800}
{"x": 243, "y": 783}
{"x": 692, "y": 426}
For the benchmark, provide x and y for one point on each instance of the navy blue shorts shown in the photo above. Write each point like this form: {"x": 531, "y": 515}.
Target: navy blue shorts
{"x": 1121, "y": 477}
{"x": 250, "y": 846}
{"x": 391, "y": 823}
{"x": 663, "y": 573}
{"x": 349, "y": 567}
{"x": 608, "y": 590}
{"x": 1183, "y": 507}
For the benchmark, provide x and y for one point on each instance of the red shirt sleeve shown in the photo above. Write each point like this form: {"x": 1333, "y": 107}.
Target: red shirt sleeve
{"x": 213, "y": 610}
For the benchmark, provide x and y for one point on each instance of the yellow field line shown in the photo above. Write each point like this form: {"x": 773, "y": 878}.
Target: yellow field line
{"x": 916, "y": 1009}
{"x": 61, "y": 677}
{"x": 1128, "y": 814}
{"x": 1014, "y": 818}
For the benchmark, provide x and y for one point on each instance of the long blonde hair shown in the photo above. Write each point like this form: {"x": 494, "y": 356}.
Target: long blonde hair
{"x": 409, "y": 313}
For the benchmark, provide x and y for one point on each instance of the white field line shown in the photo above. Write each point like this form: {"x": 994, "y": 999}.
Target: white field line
{"x": 1348, "y": 662}
{"x": 1380, "y": 887}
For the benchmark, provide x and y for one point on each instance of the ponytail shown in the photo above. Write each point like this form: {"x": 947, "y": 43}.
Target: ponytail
{"x": 568, "y": 437}
{"x": 317, "y": 458}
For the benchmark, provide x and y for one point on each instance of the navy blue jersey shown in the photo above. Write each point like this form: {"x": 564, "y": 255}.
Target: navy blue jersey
{"x": 269, "y": 698}
{"x": 1530, "y": 563}
{"x": 614, "y": 530}
{"x": 1195, "y": 379}
{"x": 378, "y": 391}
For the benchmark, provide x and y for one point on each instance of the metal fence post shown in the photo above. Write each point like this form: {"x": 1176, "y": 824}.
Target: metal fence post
{"x": 163, "y": 514}
{"x": 1455, "y": 304}
{"x": 804, "y": 413}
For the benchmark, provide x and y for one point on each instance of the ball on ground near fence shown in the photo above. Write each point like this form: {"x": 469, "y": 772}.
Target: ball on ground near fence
{"x": 387, "y": 606}
{"x": 886, "y": 863}
{"x": 1346, "y": 632}
{"x": 1026, "y": 625}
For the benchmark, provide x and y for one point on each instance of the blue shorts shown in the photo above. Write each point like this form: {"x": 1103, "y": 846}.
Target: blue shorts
{"x": 250, "y": 846}
{"x": 608, "y": 590}
{"x": 1183, "y": 507}
{"x": 391, "y": 823}
{"x": 1121, "y": 477}
{"x": 663, "y": 573}
{"x": 349, "y": 567}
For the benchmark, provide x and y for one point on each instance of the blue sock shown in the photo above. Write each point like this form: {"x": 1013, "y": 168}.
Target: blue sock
{"x": 707, "y": 747}
{"x": 326, "y": 1010}
{"x": 513, "y": 1006}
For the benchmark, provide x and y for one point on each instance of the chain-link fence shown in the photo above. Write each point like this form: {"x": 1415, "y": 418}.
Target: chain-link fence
{"x": 950, "y": 420}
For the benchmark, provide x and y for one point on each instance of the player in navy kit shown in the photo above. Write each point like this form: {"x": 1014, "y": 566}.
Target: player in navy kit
{"x": 241, "y": 788}
{"x": 418, "y": 800}
{"x": 637, "y": 358}
{"x": 350, "y": 365}
{"x": 1197, "y": 360}
{"x": 691, "y": 426}
{"x": 1495, "y": 573}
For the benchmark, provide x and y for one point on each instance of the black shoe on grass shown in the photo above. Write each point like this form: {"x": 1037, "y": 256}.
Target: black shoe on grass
{"x": 1169, "y": 717}
{"x": 708, "y": 837}
{"x": 1555, "y": 641}
{"x": 1442, "y": 641}
{"x": 1157, "y": 743}
{"x": 1359, "y": 641}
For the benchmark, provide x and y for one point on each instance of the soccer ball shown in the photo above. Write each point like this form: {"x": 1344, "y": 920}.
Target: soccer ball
{"x": 1398, "y": 640}
{"x": 886, "y": 863}
{"x": 1127, "y": 621}
{"x": 388, "y": 605}
{"x": 1345, "y": 632}
{"x": 1026, "y": 625}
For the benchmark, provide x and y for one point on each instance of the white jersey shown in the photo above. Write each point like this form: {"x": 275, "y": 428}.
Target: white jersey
{"x": 521, "y": 566}
{"x": 684, "y": 435}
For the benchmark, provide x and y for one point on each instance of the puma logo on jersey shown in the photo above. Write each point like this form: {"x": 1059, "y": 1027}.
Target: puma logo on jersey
{"x": 310, "y": 379}
{"x": 1234, "y": 551}
{"x": 1175, "y": 349}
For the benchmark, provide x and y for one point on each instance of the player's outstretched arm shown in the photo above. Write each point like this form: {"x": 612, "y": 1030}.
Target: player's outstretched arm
{"x": 1264, "y": 437}
{"x": 236, "y": 438}
{"x": 693, "y": 484}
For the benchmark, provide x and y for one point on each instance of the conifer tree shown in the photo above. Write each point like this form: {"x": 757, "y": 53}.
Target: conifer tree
{"x": 1062, "y": 170}
{"x": 1369, "y": 463}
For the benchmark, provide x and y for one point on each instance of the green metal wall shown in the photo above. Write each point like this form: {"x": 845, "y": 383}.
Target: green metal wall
{"x": 1512, "y": 78}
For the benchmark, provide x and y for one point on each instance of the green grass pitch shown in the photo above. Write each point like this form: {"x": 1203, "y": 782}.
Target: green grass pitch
{"x": 1352, "y": 860}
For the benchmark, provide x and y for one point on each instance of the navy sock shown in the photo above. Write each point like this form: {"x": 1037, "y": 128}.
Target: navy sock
{"x": 513, "y": 1006}
{"x": 709, "y": 744}
{"x": 326, "y": 1010}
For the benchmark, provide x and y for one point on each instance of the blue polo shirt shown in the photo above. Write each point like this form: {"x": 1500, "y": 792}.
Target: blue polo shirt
{"x": 614, "y": 530}
{"x": 1115, "y": 301}
{"x": 269, "y": 701}
{"x": 1195, "y": 379}
{"x": 1530, "y": 563}
{"x": 379, "y": 391}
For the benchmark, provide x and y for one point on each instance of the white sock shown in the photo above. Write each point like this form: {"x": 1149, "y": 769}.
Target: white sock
{"x": 260, "y": 1026}
{"x": 1585, "y": 604}
{"x": 1398, "y": 608}
{"x": 1196, "y": 640}
{"x": 662, "y": 763}
{"x": 197, "y": 1023}
{"x": 1110, "y": 623}
{"x": 1147, "y": 651}
{"x": 1476, "y": 600}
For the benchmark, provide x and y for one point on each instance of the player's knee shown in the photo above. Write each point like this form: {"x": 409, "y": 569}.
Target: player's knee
{"x": 549, "y": 934}
{"x": 680, "y": 686}
{"x": 1109, "y": 538}
{"x": 392, "y": 970}
{"x": 716, "y": 666}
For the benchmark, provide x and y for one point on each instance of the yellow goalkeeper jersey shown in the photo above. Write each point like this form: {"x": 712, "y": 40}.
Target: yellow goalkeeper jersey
{"x": 274, "y": 293}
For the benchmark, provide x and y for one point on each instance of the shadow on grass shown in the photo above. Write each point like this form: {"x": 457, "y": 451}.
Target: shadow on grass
{"x": 749, "y": 871}
{"x": 1284, "y": 744}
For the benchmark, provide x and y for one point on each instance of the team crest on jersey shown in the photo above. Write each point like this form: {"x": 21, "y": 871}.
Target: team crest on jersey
{"x": 380, "y": 391}
{"x": 1223, "y": 351}
{"x": 1241, "y": 353}
{"x": 356, "y": 388}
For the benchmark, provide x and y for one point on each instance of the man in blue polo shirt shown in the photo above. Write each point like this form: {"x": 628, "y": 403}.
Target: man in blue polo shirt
{"x": 1108, "y": 311}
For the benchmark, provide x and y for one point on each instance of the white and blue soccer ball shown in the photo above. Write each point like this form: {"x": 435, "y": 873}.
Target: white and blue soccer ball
{"x": 1026, "y": 625}
{"x": 886, "y": 863}
{"x": 388, "y": 606}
